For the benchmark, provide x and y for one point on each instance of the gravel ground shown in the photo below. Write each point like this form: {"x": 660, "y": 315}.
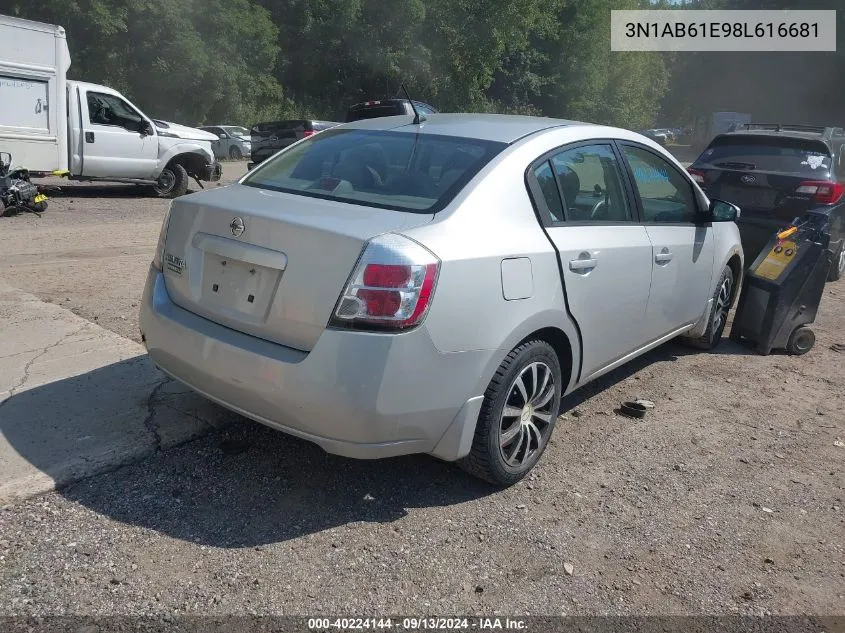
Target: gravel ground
{"x": 727, "y": 498}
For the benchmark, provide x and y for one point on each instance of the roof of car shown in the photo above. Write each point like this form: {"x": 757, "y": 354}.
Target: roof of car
{"x": 826, "y": 134}
{"x": 504, "y": 128}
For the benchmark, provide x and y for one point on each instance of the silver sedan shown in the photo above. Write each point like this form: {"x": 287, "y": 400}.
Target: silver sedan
{"x": 390, "y": 287}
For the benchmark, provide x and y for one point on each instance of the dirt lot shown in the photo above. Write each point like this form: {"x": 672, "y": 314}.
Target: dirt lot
{"x": 726, "y": 498}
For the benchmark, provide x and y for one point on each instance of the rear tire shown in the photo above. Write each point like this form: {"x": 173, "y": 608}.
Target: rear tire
{"x": 801, "y": 341}
{"x": 837, "y": 266}
{"x": 518, "y": 415}
{"x": 723, "y": 300}
{"x": 172, "y": 182}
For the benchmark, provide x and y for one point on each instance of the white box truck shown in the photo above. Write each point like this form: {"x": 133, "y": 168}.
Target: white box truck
{"x": 86, "y": 131}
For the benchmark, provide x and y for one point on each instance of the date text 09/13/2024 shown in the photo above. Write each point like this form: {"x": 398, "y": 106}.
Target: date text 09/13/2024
{"x": 417, "y": 624}
{"x": 721, "y": 30}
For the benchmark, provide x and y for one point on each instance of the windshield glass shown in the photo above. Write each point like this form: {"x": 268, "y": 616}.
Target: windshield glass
{"x": 769, "y": 153}
{"x": 236, "y": 131}
{"x": 387, "y": 169}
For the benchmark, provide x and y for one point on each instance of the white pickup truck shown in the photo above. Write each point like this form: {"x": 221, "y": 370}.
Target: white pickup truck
{"x": 84, "y": 131}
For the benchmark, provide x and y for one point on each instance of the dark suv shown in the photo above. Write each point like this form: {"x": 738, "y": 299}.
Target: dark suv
{"x": 386, "y": 107}
{"x": 776, "y": 173}
{"x": 269, "y": 137}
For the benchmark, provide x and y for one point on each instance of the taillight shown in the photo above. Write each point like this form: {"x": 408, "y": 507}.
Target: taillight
{"x": 391, "y": 287}
{"x": 823, "y": 191}
{"x": 158, "y": 255}
{"x": 697, "y": 175}
{"x": 307, "y": 133}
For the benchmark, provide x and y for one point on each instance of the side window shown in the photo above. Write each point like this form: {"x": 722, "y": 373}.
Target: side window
{"x": 591, "y": 184}
{"x": 665, "y": 194}
{"x": 546, "y": 180}
{"x": 106, "y": 109}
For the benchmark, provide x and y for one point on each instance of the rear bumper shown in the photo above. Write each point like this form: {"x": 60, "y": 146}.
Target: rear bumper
{"x": 354, "y": 394}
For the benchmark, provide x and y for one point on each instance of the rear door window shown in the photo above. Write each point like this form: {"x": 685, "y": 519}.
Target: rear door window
{"x": 546, "y": 179}
{"x": 794, "y": 156}
{"x": 591, "y": 185}
{"x": 387, "y": 169}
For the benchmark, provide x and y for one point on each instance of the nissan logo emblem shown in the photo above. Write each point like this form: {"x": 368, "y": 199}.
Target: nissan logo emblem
{"x": 748, "y": 179}
{"x": 237, "y": 227}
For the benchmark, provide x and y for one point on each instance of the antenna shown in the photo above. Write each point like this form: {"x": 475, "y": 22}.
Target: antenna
{"x": 417, "y": 117}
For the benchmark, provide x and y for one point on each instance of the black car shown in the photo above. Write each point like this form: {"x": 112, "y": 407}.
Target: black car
{"x": 776, "y": 173}
{"x": 386, "y": 107}
{"x": 269, "y": 137}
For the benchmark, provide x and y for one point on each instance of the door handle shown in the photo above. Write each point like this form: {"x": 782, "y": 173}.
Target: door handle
{"x": 664, "y": 256}
{"x": 89, "y": 137}
{"x": 582, "y": 265}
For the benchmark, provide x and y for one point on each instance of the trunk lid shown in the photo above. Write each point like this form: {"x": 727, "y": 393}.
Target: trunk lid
{"x": 267, "y": 263}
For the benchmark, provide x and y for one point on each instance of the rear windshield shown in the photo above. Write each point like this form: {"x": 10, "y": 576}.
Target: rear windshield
{"x": 418, "y": 173}
{"x": 374, "y": 112}
{"x": 270, "y": 127}
{"x": 769, "y": 153}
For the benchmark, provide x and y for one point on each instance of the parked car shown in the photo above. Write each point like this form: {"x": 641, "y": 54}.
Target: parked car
{"x": 776, "y": 173}
{"x": 387, "y": 107}
{"x": 437, "y": 288}
{"x": 233, "y": 141}
{"x": 271, "y": 136}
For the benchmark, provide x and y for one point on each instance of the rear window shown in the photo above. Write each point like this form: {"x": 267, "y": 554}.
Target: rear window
{"x": 374, "y": 112}
{"x": 418, "y": 173}
{"x": 774, "y": 154}
{"x": 271, "y": 127}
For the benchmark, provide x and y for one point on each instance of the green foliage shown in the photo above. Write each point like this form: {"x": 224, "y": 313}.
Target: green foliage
{"x": 240, "y": 61}
{"x": 197, "y": 61}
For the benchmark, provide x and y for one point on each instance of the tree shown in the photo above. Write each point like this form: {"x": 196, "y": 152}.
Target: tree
{"x": 196, "y": 61}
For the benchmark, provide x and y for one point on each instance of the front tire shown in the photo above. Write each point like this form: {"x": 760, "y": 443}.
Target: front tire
{"x": 722, "y": 303}
{"x": 172, "y": 182}
{"x": 235, "y": 153}
{"x": 518, "y": 415}
{"x": 837, "y": 266}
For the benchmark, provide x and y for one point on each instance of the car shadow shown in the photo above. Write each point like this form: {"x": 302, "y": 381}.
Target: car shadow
{"x": 83, "y": 190}
{"x": 244, "y": 485}
{"x": 98, "y": 190}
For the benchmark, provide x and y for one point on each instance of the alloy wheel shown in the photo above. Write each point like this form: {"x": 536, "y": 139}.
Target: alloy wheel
{"x": 527, "y": 414}
{"x": 723, "y": 304}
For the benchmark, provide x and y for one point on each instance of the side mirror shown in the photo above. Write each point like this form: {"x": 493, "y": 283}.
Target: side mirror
{"x": 146, "y": 129}
{"x": 721, "y": 211}
{"x": 222, "y": 136}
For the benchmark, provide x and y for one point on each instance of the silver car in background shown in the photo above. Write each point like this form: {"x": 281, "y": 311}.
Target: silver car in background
{"x": 386, "y": 288}
{"x": 233, "y": 141}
